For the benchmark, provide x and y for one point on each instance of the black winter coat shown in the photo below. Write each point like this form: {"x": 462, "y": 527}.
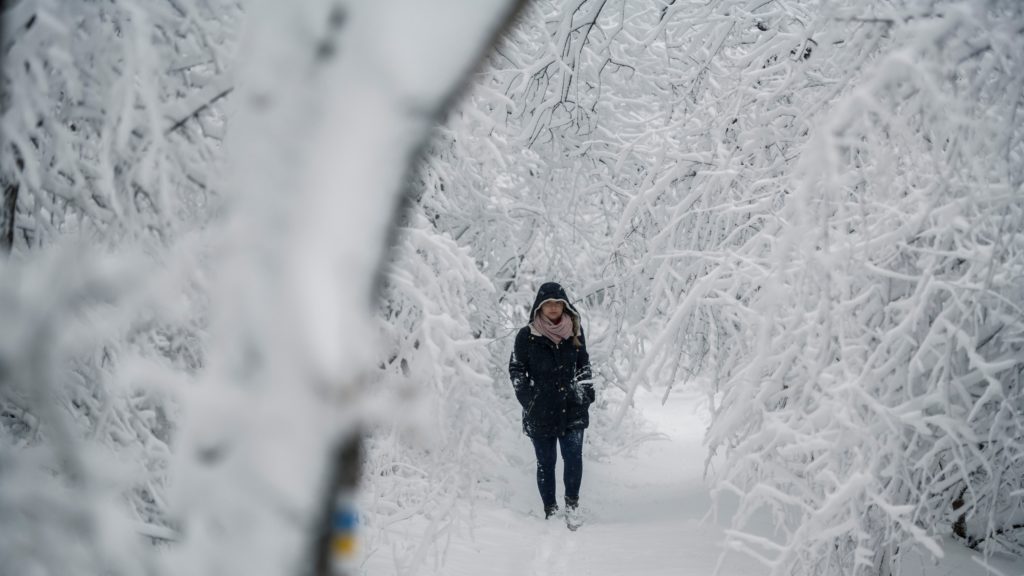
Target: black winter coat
{"x": 552, "y": 381}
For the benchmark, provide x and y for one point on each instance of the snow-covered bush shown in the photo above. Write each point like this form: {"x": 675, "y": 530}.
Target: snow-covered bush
{"x": 87, "y": 366}
{"x": 442, "y": 427}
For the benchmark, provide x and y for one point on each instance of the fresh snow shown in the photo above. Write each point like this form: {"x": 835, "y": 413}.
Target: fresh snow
{"x": 817, "y": 205}
{"x": 647, "y": 513}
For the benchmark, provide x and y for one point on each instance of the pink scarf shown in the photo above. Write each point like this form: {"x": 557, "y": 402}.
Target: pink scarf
{"x": 556, "y": 331}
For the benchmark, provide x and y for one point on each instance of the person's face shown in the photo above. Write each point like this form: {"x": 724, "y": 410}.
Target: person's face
{"x": 552, "y": 310}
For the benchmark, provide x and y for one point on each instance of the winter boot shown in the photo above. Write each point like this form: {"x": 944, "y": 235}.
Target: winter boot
{"x": 573, "y": 515}
{"x": 550, "y": 511}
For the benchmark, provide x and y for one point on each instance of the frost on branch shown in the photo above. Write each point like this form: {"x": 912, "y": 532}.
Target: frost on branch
{"x": 881, "y": 403}
{"x": 91, "y": 92}
{"x": 817, "y": 208}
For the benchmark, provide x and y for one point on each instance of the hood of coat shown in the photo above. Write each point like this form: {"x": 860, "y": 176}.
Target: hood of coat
{"x": 554, "y": 291}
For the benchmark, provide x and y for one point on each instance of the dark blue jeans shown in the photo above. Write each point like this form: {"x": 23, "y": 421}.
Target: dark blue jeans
{"x": 572, "y": 459}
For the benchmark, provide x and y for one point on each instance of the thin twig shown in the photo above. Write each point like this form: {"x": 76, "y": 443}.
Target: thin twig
{"x": 199, "y": 109}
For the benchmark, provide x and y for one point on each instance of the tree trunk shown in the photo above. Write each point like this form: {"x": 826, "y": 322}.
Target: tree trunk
{"x": 335, "y": 542}
{"x": 8, "y": 210}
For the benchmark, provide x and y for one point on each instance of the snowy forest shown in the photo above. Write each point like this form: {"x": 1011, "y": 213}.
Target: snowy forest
{"x": 261, "y": 261}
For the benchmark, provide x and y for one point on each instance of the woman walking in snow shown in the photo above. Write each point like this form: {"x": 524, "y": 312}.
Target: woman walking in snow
{"x": 550, "y": 371}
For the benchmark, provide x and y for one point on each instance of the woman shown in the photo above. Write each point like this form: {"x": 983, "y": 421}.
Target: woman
{"x": 550, "y": 371}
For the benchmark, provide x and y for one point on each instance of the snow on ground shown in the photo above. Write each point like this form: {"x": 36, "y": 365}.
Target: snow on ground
{"x": 647, "y": 514}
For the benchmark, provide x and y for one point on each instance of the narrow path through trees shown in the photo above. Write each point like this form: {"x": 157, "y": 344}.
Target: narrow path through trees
{"x": 647, "y": 515}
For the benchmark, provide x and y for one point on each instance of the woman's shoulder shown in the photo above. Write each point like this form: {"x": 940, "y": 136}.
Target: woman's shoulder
{"x": 527, "y": 334}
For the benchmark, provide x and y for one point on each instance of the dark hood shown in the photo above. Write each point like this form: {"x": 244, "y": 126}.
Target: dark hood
{"x": 553, "y": 291}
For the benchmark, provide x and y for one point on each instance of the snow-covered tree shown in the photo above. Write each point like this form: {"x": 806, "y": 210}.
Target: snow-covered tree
{"x": 881, "y": 401}
{"x": 111, "y": 120}
{"x": 813, "y": 210}
{"x": 815, "y": 207}
{"x": 111, "y": 132}
{"x": 113, "y": 127}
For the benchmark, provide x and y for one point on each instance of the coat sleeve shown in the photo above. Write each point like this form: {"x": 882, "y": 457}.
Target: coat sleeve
{"x": 517, "y": 371}
{"x": 584, "y": 377}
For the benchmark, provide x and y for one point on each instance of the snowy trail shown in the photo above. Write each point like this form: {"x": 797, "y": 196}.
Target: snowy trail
{"x": 645, "y": 517}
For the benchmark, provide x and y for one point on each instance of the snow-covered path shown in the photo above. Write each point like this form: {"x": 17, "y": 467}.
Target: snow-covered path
{"x": 647, "y": 515}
